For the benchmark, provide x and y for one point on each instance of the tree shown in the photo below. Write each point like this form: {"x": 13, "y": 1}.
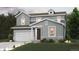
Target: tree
{"x": 73, "y": 24}
{"x": 6, "y": 22}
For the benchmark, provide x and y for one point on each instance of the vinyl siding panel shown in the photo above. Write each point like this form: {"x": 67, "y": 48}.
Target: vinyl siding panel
{"x": 27, "y": 19}
{"x": 60, "y": 31}
{"x": 33, "y": 19}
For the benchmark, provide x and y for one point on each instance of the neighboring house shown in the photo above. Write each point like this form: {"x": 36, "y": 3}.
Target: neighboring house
{"x": 37, "y": 26}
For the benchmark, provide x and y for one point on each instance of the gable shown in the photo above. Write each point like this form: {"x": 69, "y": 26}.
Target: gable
{"x": 22, "y": 16}
{"x": 21, "y": 13}
{"x": 45, "y": 24}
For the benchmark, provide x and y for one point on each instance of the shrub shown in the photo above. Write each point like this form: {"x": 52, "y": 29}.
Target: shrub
{"x": 44, "y": 40}
{"x": 61, "y": 41}
{"x": 51, "y": 40}
{"x": 47, "y": 41}
{"x": 10, "y": 37}
{"x": 69, "y": 38}
{"x": 56, "y": 41}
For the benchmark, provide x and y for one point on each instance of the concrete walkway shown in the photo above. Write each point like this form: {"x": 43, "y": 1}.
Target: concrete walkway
{"x": 6, "y": 46}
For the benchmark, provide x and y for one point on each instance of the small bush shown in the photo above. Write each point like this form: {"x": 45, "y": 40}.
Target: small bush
{"x": 51, "y": 40}
{"x": 61, "y": 41}
{"x": 56, "y": 41}
{"x": 44, "y": 40}
{"x": 69, "y": 38}
{"x": 47, "y": 41}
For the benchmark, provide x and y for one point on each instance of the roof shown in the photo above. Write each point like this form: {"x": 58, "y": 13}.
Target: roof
{"x": 21, "y": 13}
{"x": 38, "y": 14}
{"x": 60, "y": 12}
{"x": 21, "y": 27}
{"x": 47, "y": 13}
{"x": 24, "y": 27}
{"x": 47, "y": 20}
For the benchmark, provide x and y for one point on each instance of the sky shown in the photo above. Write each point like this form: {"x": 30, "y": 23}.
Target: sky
{"x": 14, "y": 10}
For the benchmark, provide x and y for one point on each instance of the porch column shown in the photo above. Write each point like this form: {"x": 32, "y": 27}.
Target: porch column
{"x": 32, "y": 34}
{"x": 35, "y": 33}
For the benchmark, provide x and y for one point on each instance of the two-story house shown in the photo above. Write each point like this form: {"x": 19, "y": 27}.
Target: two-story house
{"x": 37, "y": 26}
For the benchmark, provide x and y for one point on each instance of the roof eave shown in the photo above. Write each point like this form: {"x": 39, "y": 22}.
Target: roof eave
{"x": 48, "y": 15}
{"x": 21, "y": 13}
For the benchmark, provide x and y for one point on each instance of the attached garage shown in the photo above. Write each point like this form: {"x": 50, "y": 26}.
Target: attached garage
{"x": 23, "y": 34}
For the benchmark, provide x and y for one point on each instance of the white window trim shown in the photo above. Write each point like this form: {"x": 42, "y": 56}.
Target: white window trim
{"x": 59, "y": 18}
{"x": 48, "y": 31}
{"x": 23, "y": 20}
{"x": 38, "y": 19}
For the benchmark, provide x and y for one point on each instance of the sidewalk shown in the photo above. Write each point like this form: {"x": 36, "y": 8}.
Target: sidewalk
{"x": 6, "y": 46}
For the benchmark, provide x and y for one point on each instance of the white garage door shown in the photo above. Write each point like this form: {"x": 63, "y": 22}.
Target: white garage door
{"x": 23, "y": 35}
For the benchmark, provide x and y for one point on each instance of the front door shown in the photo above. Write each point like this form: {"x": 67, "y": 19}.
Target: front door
{"x": 38, "y": 34}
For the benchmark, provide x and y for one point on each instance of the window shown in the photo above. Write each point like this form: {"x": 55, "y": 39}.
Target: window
{"x": 51, "y": 31}
{"x": 23, "y": 20}
{"x": 59, "y": 19}
{"x": 38, "y": 19}
{"x": 32, "y": 19}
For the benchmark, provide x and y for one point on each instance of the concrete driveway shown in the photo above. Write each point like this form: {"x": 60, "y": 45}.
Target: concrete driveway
{"x": 6, "y": 46}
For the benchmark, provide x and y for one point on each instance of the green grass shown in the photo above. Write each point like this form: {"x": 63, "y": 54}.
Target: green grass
{"x": 48, "y": 47}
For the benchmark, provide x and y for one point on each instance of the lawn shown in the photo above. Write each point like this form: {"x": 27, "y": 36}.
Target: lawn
{"x": 48, "y": 47}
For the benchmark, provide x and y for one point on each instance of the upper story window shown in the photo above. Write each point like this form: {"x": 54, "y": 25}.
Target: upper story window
{"x": 23, "y": 20}
{"x": 59, "y": 19}
{"x": 32, "y": 19}
{"x": 38, "y": 19}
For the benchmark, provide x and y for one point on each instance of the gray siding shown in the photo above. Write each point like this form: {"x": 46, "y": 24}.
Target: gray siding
{"x": 27, "y": 21}
{"x": 60, "y": 31}
{"x": 32, "y": 19}
{"x": 50, "y": 17}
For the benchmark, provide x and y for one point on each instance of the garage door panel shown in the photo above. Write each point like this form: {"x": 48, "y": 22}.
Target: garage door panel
{"x": 23, "y": 35}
